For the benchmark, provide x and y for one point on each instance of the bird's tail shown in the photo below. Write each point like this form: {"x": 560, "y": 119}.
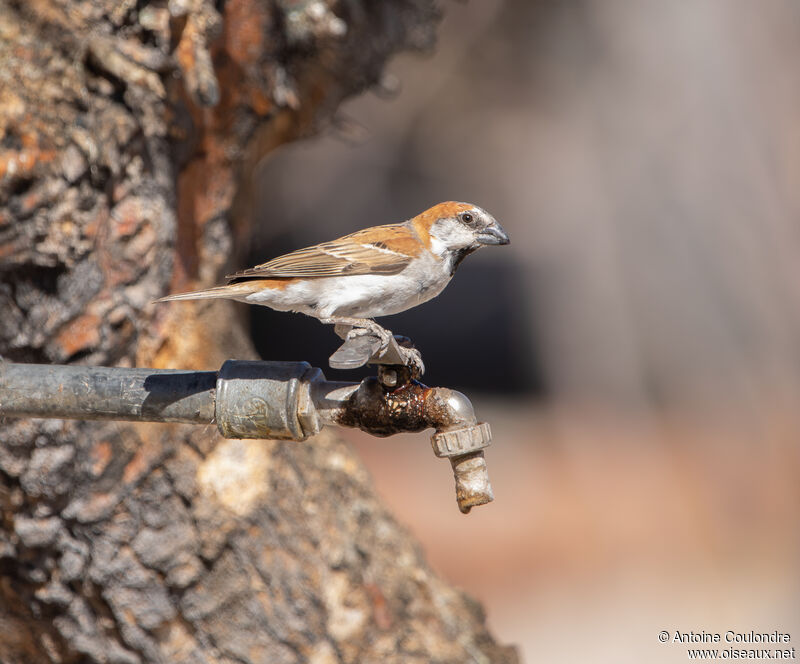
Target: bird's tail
{"x": 230, "y": 291}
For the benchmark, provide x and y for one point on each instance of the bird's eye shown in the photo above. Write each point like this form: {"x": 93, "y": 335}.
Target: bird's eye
{"x": 467, "y": 218}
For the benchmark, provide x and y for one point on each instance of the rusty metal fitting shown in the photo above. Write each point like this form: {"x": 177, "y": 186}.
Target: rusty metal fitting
{"x": 395, "y": 402}
{"x": 395, "y": 375}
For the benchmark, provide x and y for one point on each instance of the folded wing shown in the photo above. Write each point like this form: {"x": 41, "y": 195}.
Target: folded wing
{"x": 378, "y": 250}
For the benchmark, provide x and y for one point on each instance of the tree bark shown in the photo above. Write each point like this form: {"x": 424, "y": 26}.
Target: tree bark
{"x": 128, "y": 133}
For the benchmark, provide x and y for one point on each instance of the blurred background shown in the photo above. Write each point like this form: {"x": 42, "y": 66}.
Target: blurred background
{"x": 636, "y": 348}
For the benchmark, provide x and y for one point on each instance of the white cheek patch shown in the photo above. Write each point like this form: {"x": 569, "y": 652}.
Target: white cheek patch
{"x": 447, "y": 234}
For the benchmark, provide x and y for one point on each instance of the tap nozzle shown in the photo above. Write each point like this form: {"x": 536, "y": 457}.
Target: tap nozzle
{"x": 464, "y": 448}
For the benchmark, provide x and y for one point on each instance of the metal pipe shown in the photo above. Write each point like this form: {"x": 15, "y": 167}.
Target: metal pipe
{"x": 102, "y": 393}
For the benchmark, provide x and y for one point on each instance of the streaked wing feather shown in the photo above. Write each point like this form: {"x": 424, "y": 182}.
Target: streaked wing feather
{"x": 379, "y": 250}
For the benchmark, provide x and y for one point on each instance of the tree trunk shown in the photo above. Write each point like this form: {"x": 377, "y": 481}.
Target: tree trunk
{"x": 128, "y": 132}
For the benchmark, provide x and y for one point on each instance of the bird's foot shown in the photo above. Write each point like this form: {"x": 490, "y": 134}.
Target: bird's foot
{"x": 372, "y": 328}
{"x": 392, "y": 349}
{"x": 410, "y": 356}
{"x": 350, "y": 328}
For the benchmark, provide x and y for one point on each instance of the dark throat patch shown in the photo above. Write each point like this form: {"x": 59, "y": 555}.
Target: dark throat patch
{"x": 459, "y": 255}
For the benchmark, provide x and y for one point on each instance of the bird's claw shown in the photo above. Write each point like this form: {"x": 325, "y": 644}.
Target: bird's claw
{"x": 374, "y": 329}
{"x": 412, "y": 358}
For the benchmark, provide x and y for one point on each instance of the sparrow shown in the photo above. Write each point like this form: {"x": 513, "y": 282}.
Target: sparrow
{"x": 373, "y": 272}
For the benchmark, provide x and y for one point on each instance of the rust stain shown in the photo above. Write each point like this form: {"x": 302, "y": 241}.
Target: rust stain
{"x": 29, "y": 140}
{"x": 382, "y": 411}
{"x": 261, "y": 102}
{"x": 100, "y": 457}
{"x": 97, "y": 505}
{"x": 141, "y": 461}
{"x": 223, "y": 152}
{"x": 381, "y": 613}
{"x": 7, "y": 249}
{"x": 79, "y": 334}
{"x": 96, "y": 223}
{"x": 184, "y": 52}
{"x": 127, "y": 217}
{"x": 135, "y": 468}
{"x": 190, "y": 181}
{"x": 22, "y": 163}
{"x": 246, "y": 24}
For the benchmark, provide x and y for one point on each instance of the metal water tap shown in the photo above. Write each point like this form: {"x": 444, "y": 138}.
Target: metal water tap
{"x": 292, "y": 400}
{"x": 459, "y": 436}
{"x": 267, "y": 400}
{"x": 396, "y": 402}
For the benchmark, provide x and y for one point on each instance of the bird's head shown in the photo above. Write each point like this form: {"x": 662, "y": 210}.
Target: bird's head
{"x": 458, "y": 229}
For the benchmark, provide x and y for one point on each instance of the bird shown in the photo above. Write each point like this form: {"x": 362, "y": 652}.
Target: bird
{"x": 374, "y": 272}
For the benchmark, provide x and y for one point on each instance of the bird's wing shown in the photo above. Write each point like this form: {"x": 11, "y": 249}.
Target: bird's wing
{"x": 377, "y": 250}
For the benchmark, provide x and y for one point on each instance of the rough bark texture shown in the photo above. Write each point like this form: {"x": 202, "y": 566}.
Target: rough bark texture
{"x": 126, "y": 132}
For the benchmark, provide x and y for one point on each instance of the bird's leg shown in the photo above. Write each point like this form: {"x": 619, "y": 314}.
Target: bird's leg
{"x": 360, "y": 327}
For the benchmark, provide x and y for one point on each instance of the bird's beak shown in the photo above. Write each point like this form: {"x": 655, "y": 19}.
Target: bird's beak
{"x": 493, "y": 234}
